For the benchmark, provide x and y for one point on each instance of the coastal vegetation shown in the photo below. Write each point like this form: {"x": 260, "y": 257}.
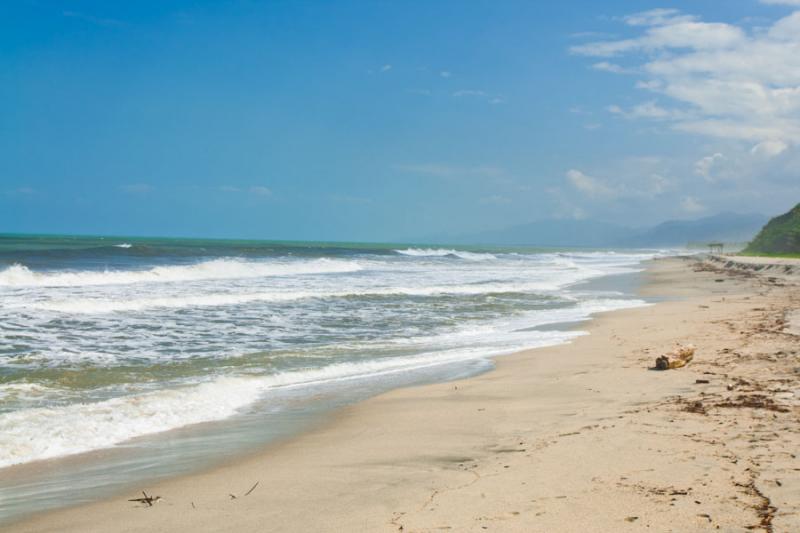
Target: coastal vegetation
{"x": 780, "y": 237}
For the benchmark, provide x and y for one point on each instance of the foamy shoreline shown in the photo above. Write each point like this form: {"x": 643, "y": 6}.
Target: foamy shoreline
{"x": 578, "y": 427}
{"x": 199, "y": 340}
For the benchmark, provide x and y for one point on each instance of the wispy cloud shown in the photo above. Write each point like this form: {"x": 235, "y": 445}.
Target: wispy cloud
{"x": 704, "y": 167}
{"x": 589, "y": 185}
{"x": 445, "y": 74}
{"x": 649, "y": 110}
{"x": 260, "y": 190}
{"x": 692, "y": 205}
{"x": 715, "y": 79}
{"x": 769, "y": 148}
{"x": 635, "y": 178}
{"x": 605, "y": 66}
{"x": 386, "y": 68}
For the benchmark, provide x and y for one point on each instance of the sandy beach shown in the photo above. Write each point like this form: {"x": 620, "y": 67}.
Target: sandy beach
{"x": 579, "y": 437}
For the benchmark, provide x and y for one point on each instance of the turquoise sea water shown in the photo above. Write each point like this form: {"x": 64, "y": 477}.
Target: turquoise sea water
{"x": 112, "y": 345}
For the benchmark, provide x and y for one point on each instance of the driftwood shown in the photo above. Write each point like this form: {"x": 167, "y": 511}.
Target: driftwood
{"x": 252, "y": 489}
{"x": 149, "y": 500}
{"x": 677, "y": 358}
{"x": 233, "y": 496}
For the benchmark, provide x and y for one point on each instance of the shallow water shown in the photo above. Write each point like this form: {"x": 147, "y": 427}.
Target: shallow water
{"x": 108, "y": 344}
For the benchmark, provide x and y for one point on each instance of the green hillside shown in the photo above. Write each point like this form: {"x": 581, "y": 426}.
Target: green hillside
{"x": 781, "y": 236}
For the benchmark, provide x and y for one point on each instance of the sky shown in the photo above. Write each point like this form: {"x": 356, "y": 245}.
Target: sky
{"x": 390, "y": 120}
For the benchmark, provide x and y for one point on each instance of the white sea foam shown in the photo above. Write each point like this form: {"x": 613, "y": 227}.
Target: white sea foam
{"x": 105, "y": 305}
{"x": 21, "y": 276}
{"x": 443, "y": 252}
{"x": 45, "y": 432}
{"x": 123, "y": 245}
{"x": 344, "y": 319}
{"x": 517, "y": 330}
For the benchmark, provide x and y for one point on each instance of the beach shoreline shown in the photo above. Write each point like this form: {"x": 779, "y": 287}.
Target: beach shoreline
{"x": 579, "y": 436}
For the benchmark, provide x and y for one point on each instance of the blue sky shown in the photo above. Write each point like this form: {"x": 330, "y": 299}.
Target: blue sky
{"x": 392, "y": 120}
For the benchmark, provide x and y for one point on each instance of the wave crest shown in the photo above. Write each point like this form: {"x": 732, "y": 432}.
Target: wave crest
{"x": 446, "y": 252}
{"x": 21, "y": 276}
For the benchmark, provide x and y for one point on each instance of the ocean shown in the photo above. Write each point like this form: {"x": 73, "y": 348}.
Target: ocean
{"x": 135, "y": 348}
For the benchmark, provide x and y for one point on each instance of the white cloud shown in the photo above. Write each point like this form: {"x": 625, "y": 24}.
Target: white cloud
{"x": 781, "y": 2}
{"x": 666, "y": 28}
{"x": 769, "y": 148}
{"x": 649, "y": 109}
{"x": 650, "y": 85}
{"x": 692, "y": 205}
{"x": 445, "y": 74}
{"x": 704, "y": 166}
{"x": 386, "y": 68}
{"x": 259, "y": 190}
{"x": 588, "y": 185}
{"x": 629, "y": 180}
{"x": 655, "y": 17}
{"x": 714, "y": 79}
{"x": 605, "y": 66}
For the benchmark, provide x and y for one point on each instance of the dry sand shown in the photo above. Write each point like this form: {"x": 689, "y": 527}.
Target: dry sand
{"x": 581, "y": 437}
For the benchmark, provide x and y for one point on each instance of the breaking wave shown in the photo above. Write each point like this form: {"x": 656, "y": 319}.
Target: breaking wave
{"x": 21, "y": 276}
{"x": 445, "y": 252}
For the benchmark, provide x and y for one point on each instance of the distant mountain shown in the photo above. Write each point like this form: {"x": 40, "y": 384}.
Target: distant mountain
{"x": 781, "y": 235}
{"x": 724, "y": 227}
